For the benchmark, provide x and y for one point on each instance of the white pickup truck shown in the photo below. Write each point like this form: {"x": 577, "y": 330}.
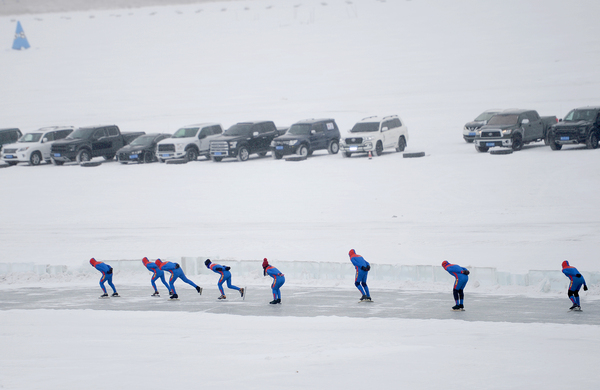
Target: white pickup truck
{"x": 189, "y": 142}
{"x": 34, "y": 147}
{"x": 374, "y": 134}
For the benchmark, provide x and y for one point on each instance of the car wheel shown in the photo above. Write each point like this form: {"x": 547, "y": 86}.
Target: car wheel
{"x": 517, "y": 142}
{"x": 592, "y": 140}
{"x": 334, "y": 147}
{"x": 217, "y": 159}
{"x": 276, "y": 156}
{"x": 481, "y": 149}
{"x": 148, "y": 157}
{"x": 401, "y": 144}
{"x": 469, "y": 141}
{"x": 191, "y": 154}
{"x": 83, "y": 156}
{"x": 57, "y": 162}
{"x": 35, "y": 159}
{"x": 552, "y": 142}
{"x": 262, "y": 154}
{"x": 302, "y": 151}
{"x": 243, "y": 154}
{"x": 109, "y": 157}
{"x": 379, "y": 148}
{"x": 12, "y": 163}
{"x": 347, "y": 154}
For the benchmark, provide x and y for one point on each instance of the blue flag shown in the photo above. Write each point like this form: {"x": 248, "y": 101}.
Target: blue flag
{"x": 20, "y": 39}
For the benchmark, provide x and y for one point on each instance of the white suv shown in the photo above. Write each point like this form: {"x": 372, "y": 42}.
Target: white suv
{"x": 189, "y": 142}
{"x": 34, "y": 147}
{"x": 374, "y": 134}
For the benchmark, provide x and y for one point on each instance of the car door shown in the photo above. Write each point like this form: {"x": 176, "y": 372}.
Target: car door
{"x": 536, "y": 125}
{"x": 203, "y": 139}
{"x": 100, "y": 142}
{"x": 261, "y": 141}
{"x": 387, "y": 134}
{"x": 46, "y": 144}
{"x": 317, "y": 136}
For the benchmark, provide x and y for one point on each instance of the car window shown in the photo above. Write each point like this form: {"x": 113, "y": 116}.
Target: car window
{"x": 50, "y": 136}
{"x": 532, "y": 116}
{"x": 3, "y": 137}
{"x": 63, "y": 134}
{"x": 100, "y": 133}
{"x": 15, "y": 136}
{"x": 217, "y": 129}
{"x": 396, "y": 122}
{"x": 318, "y": 127}
{"x": 387, "y": 125}
{"x": 112, "y": 131}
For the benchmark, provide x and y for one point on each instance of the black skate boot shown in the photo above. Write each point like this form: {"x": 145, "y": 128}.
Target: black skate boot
{"x": 199, "y": 289}
{"x": 274, "y": 302}
{"x": 156, "y": 294}
{"x": 174, "y": 296}
{"x": 115, "y": 294}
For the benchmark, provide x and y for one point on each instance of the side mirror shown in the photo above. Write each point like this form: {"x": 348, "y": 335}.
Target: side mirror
{"x": 313, "y": 132}
{"x": 525, "y": 121}
{"x": 45, "y": 140}
{"x": 560, "y": 120}
{"x": 484, "y": 122}
{"x": 255, "y": 134}
{"x": 384, "y": 129}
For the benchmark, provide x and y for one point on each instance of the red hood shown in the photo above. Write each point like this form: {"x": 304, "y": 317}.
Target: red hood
{"x": 93, "y": 262}
{"x": 145, "y": 261}
{"x": 352, "y": 253}
{"x": 445, "y": 264}
{"x": 565, "y": 264}
{"x": 265, "y": 263}
{"x": 159, "y": 263}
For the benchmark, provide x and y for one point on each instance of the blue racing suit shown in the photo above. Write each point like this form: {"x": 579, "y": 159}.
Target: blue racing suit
{"x": 156, "y": 273}
{"x": 461, "y": 279}
{"x": 225, "y": 277}
{"x": 107, "y": 274}
{"x": 577, "y": 281}
{"x": 176, "y": 272}
{"x": 278, "y": 280}
{"x": 362, "y": 270}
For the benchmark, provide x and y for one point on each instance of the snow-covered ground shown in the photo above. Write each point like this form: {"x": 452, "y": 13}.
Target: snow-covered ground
{"x": 437, "y": 64}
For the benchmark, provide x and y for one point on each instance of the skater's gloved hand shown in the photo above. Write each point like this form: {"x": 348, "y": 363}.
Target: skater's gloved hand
{"x": 227, "y": 268}
{"x": 578, "y": 275}
{"x": 584, "y": 287}
{"x": 363, "y": 268}
{"x": 466, "y": 272}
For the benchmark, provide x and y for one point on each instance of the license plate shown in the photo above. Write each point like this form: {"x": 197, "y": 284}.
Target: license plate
{"x": 132, "y": 156}
{"x": 9, "y": 156}
{"x": 471, "y": 134}
{"x": 56, "y": 154}
{"x": 490, "y": 144}
{"x": 166, "y": 155}
{"x": 217, "y": 153}
{"x": 353, "y": 148}
{"x": 279, "y": 147}
{"x": 564, "y": 138}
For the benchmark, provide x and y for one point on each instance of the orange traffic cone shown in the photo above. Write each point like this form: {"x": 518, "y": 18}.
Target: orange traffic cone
{"x": 370, "y": 155}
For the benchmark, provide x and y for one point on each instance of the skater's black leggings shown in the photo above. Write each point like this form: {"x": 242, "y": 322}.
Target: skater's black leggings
{"x": 458, "y": 294}
{"x": 573, "y": 293}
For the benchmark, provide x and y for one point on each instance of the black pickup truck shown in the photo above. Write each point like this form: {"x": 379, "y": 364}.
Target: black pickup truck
{"x": 243, "y": 139}
{"x": 580, "y": 126}
{"x": 513, "y": 129}
{"x": 86, "y": 143}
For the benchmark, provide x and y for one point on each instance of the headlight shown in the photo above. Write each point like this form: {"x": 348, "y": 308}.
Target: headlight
{"x": 293, "y": 142}
{"x": 136, "y": 152}
{"x": 368, "y": 138}
{"x": 272, "y": 144}
{"x": 506, "y": 132}
{"x": 179, "y": 147}
{"x": 233, "y": 144}
{"x": 23, "y": 149}
{"x": 72, "y": 148}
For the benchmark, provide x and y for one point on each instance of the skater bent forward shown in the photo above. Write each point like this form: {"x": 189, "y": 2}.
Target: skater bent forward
{"x": 461, "y": 279}
{"x": 577, "y": 281}
{"x": 107, "y": 274}
{"x": 362, "y": 270}
{"x": 278, "y": 280}
{"x": 225, "y": 277}
{"x": 156, "y": 273}
{"x": 176, "y": 272}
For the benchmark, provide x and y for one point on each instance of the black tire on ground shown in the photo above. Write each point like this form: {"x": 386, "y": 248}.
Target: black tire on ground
{"x": 481, "y": 149}
{"x": 302, "y": 151}
{"x": 6, "y": 165}
{"x": 191, "y": 154}
{"x": 148, "y": 157}
{"x": 333, "y": 147}
{"x": 592, "y": 140}
{"x": 296, "y": 158}
{"x": 177, "y": 161}
{"x": 262, "y": 154}
{"x": 84, "y": 155}
{"x": 57, "y": 162}
{"x": 35, "y": 159}
{"x": 412, "y": 155}
{"x": 12, "y": 163}
{"x": 90, "y": 163}
{"x": 243, "y": 154}
{"x": 123, "y": 162}
{"x": 216, "y": 158}
{"x": 501, "y": 151}
{"x": 347, "y": 154}
{"x": 517, "y": 142}
{"x": 276, "y": 156}
{"x": 109, "y": 157}
{"x": 379, "y": 148}
{"x": 401, "y": 144}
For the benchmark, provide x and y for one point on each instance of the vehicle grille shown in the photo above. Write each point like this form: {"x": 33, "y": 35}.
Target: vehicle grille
{"x": 10, "y": 151}
{"x": 219, "y": 146}
{"x": 473, "y": 128}
{"x": 166, "y": 148}
{"x": 354, "y": 141}
{"x": 491, "y": 134}
{"x": 567, "y": 130}
{"x": 59, "y": 148}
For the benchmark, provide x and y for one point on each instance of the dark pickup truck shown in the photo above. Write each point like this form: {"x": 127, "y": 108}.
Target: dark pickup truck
{"x": 513, "y": 129}
{"x": 243, "y": 139}
{"x": 86, "y": 143}
{"x": 580, "y": 126}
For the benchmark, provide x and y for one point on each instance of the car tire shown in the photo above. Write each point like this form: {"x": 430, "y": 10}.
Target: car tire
{"x": 379, "y": 148}
{"x": 262, "y": 154}
{"x": 347, "y": 154}
{"x": 517, "y": 142}
{"x": 469, "y": 141}
{"x": 501, "y": 151}
{"x": 148, "y": 157}
{"x": 302, "y": 151}
{"x": 109, "y": 157}
{"x": 481, "y": 149}
{"x": 35, "y": 158}
{"x": 90, "y": 163}
{"x": 243, "y": 154}
{"x": 216, "y": 159}
{"x": 276, "y": 156}
{"x": 413, "y": 155}
{"x": 592, "y": 140}
{"x": 401, "y": 144}
{"x": 552, "y": 142}
{"x": 191, "y": 154}
{"x": 83, "y": 155}
{"x": 59, "y": 163}
{"x": 334, "y": 147}
{"x": 12, "y": 163}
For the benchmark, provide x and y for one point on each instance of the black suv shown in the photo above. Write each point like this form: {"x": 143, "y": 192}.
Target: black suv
{"x": 243, "y": 139}
{"x": 306, "y": 136}
{"x": 9, "y": 136}
{"x": 580, "y": 126}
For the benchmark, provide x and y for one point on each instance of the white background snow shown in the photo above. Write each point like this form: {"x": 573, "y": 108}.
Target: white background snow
{"x": 437, "y": 64}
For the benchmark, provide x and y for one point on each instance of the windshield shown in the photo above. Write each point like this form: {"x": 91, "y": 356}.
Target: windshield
{"x": 239, "y": 129}
{"x": 303, "y": 129}
{"x": 186, "y": 132}
{"x": 81, "y": 133}
{"x": 142, "y": 140}
{"x": 504, "y": 120}
{"x": 581, "y": 115}
{"x": 364, "y": 127}
{"x": 485, "y": 116}
{"x": 30, "y": 137}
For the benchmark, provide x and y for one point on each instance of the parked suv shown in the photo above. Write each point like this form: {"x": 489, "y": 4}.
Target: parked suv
{"x": 189, "y": 142}
{"x": 306, "y": 136}
{"x": 374, "y": 134}
{"x": 35, "y": 147}
{"x": 141, "y": 150}
{"x": 580, "y": 126}
{"x": 243, "y": 139}
{"x": 9, "y": 136}
{"x": 470, "y": 129}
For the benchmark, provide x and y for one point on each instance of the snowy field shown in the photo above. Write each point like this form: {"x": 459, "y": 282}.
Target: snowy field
{"x": 437, "y": 64}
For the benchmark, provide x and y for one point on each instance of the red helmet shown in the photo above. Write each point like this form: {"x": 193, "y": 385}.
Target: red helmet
{"x": 565, "y": 264}
{"x": 145, "y": 261}
{"x": 445, "y": 264}
{"x": 93, "y": 262}
{"x": 351, "y": 253}
{"x": 265, "y": 263}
